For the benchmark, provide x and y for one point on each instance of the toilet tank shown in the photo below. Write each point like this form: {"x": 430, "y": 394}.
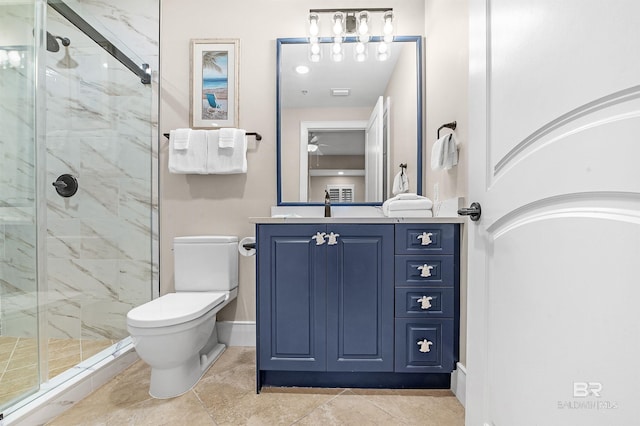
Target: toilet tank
{"x": 205, "y": 263}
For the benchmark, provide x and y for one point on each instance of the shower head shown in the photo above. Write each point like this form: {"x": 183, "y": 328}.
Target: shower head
{"x": 52, "y": 43}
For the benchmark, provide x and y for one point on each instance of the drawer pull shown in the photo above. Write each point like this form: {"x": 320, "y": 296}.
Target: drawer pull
{"x": 319, "y": 237}
{"x": 425, "y": 345}
{"x": 425, "y": 302}
{"x": 333, "y": 239}
{"x": 425, "y": 270}
{"x": 425, "y": 238}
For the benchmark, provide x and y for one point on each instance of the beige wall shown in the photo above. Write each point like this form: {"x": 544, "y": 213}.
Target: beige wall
{"x": 447, "y": 65}
{"x": 222, "y": 204}
{"x": 403, "y": 131}
{"x": 447, "y": 72}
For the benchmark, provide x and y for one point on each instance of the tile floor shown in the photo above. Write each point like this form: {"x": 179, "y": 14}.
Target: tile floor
{"x": 19, "y": 361}
{"x": 226, "y": 396}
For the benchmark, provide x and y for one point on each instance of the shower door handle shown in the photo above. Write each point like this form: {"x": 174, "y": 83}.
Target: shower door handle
{"x": 66, "y": 185}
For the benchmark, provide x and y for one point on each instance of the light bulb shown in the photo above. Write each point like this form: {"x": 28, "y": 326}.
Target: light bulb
{"x": 314, "y": 28}
{"x": 14, "y": 58}
{"x": 338, "y": 19}
{"x": 336, "y": 48}
{"x": 388, "y": 23}
{"x": 359, "y": 48}
{"x": 383, "y": 48}
{"x": 315, "y": 49}
{"x": 363, "y": 23}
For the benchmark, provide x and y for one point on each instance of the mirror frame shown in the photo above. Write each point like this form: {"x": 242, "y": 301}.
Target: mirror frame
{"x": 283, "y": 41}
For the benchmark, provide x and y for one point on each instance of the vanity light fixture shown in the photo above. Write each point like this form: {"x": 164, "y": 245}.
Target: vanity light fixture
{"x": 354, "y": 23}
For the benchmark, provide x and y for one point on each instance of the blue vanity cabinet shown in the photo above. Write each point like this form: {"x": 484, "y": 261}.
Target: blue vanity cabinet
{"x": 325, "y": 297}
{"x": 357, "y": 305}
{"x": 360, "y": 298}
{"x": 426, "y": 296}
{"x": 292, "y": 299}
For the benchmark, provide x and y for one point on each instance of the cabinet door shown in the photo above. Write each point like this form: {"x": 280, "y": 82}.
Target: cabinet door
{"x": 360, "y": 295}
{"x": 291, "y": 298}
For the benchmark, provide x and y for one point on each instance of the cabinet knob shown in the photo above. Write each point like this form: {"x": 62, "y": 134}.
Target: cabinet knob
{"x": 425, "y": 270}
{"x": 319, "y": 237}
{"x": 333, "y": 239}
{"x": 425, "y": 345}
{"x": 425, "y": 238}
{"x": 425, "y": 302}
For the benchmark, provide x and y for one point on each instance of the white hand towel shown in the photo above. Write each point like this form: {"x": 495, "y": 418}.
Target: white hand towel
{"x": 402, "y": 203}
{"x": 437, "y": 153}
{"x": 181, "y": 139}
{"x": 227, "y": 136}
{"x": 400, "y": 183}
{"x": 421, "y": 204}
{"x": 226, "y": 160}
{"x": 192, "y": 160}
{"x": 450, "y": 153}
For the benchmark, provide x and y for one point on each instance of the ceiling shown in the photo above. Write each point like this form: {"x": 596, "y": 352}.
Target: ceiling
{"x": 366, "y": 80}
{"x": 339, "y": 142}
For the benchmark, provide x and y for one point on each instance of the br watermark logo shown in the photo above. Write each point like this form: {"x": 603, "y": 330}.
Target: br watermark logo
{"x": 587, "y": 396}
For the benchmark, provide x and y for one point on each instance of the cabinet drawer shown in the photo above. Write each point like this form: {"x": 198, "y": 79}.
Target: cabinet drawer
{"x": 424, "y": 346}
{"x": 424, "y": 302}
{"x": 425, "y": 238}
{"x": 424, "y": 270}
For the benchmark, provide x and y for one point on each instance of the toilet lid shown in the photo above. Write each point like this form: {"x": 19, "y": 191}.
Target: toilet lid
{"x": 174, "y": 308}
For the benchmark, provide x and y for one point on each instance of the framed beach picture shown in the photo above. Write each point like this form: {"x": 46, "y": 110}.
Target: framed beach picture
{"x": 214, "y": 83}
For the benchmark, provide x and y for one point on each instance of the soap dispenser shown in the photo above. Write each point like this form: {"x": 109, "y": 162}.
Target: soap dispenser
{"x": 327, "y": 204}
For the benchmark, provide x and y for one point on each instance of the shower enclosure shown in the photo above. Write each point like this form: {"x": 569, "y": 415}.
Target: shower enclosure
{"x": 77, "y": 199}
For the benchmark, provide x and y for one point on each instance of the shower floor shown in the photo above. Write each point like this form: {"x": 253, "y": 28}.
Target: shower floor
{"x": 19, "y": 361}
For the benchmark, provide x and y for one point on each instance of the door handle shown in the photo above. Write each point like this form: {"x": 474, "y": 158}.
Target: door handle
{"x": 473, "y": 211}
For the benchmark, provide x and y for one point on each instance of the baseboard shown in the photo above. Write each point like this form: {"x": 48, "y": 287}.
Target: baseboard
{"x": 237, "y": 333}
{"x": 459, "y": 383}
{"x": 54, "y": 398}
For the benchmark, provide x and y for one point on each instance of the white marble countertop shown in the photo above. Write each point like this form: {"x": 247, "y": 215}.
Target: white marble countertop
{"x": 267, "y": 220}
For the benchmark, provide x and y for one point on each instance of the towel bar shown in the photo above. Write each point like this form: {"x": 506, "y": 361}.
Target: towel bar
{"x": 257, "y": 135}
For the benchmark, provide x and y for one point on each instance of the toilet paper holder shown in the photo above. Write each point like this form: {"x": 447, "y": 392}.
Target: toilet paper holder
{"x": 247, "y": 246}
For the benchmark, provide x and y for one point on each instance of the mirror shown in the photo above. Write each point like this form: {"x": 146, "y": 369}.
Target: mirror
{"x": 347, "y": 126}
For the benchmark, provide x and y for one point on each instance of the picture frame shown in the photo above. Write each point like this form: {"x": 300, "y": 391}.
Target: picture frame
{"x": 214, "y": 83}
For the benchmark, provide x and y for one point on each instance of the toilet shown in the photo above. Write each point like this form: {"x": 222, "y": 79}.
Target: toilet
{"x": 176, "y": 334}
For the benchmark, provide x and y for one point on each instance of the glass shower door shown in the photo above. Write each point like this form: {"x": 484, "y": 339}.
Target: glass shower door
{"x": 19, "y": 360}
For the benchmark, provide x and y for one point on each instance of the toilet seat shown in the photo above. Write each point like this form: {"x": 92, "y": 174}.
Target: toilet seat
{"x": 174, "y": 308}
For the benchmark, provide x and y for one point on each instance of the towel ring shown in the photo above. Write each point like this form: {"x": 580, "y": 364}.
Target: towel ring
{"x": 451, "y": 126}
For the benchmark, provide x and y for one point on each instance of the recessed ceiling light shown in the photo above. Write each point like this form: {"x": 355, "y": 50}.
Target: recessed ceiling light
{"x": 302, "y": 69}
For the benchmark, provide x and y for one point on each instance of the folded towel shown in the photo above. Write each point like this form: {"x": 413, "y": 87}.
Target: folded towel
{"x": 450, "y": 152}
{"x": 400, "y": 183}
{"x": 181, "y": 140}
{"x": 403, "y": 204}
{"x": 226, "y": 138}
{"x": 226, "y": 160}
{"x": 191, "y": 160}
{"x": 410, "y": 213}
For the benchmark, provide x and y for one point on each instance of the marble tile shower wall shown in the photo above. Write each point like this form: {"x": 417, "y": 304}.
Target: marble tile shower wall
{"x": 100, "y": 122}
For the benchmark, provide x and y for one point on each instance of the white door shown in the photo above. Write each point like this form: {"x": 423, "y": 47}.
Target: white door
{"x": 554, "y": 141}
{"x": 373, "y": 154}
